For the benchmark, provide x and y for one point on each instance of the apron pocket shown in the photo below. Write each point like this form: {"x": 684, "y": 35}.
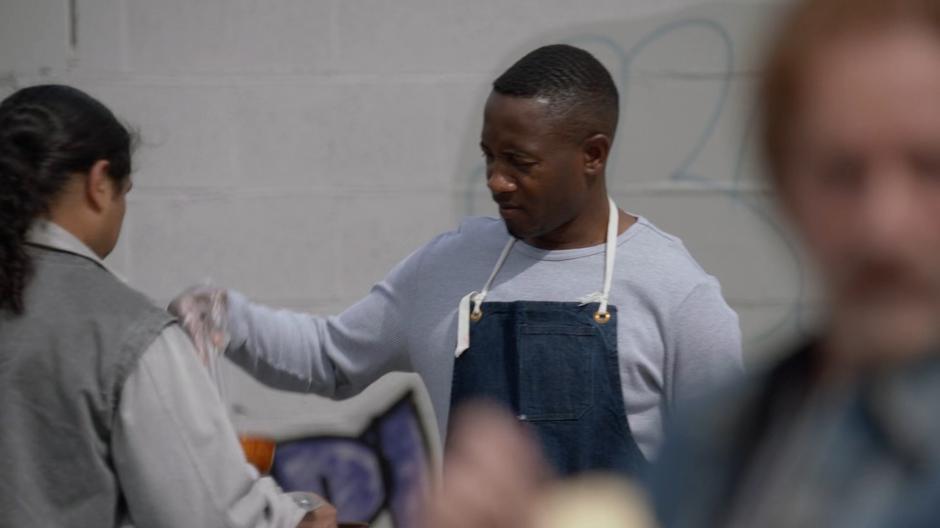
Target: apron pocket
{"x": 556, "y": 371}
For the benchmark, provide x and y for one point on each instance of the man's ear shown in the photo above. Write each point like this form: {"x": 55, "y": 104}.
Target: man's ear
{"x": 596, "y": 149}
{"x": 784, "y": 190}
{"x": 100, "y": 189}
{"x": 790, "y": 204}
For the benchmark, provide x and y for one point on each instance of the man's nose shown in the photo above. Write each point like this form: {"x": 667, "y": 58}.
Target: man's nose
{"x": 498, "y": 182}
{"x": 891, "y": 206}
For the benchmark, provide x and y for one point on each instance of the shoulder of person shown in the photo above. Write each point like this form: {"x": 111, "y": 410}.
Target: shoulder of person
{"x": 661, "y": 263}
{"x": 91, "y": 290}
{"x": 474, "y": 234}
{"x": 744, "y": 404}
{"x": 726, "y": 413}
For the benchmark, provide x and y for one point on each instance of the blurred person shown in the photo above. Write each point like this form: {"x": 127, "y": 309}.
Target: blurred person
{"x": 496, "y": 477}
{"x": 484, "y": 488}
{"x": 842, "y": 432}
{"x": 587, "y": 322}
{"x": 106, "y": 416}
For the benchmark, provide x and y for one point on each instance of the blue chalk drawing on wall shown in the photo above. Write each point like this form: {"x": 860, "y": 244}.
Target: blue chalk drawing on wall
{"x": 683, "y": 172}
{"x": 386, "y": 468}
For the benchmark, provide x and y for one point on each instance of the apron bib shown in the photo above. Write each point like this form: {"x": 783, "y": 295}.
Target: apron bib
{"x": 555, "y": 365}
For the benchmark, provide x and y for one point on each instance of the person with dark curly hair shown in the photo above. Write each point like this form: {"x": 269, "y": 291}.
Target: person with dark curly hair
{"x": 106, "y": 415}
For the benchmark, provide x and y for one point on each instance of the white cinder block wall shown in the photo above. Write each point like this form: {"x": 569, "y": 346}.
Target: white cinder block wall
{"x": 297, "y": 149}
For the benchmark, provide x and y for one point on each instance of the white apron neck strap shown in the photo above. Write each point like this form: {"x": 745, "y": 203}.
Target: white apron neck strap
{"x": 464, "y": 313}
{"x": 603, "y": 296}
{"x": 478, "y": 298}
{"x": 613, "y": 225}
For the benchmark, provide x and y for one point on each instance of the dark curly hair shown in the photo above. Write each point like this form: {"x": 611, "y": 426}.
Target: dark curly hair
{"x": 48, "y": 133}
{"x": 579, "y": 89}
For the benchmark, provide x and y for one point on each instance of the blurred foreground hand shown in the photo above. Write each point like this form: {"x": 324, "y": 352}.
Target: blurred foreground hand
{"x": 493, "y": 473}
{"x": 592, "y": 502}
{"x": 495, "y": 477}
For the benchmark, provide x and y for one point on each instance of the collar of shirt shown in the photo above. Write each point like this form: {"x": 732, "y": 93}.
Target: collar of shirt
{"x": 901, "y": 402}
{"x": 905, "y": 403}
{"x": 50, "y": 235}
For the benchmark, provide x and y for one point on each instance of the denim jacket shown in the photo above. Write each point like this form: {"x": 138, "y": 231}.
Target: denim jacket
{"x": 872, "y": 459}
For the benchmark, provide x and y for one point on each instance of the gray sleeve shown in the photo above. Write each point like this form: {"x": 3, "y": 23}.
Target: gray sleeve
{"x": 176, "y": 453}
{"x": 335, "y": 356}
{"x": 704, "y": 345}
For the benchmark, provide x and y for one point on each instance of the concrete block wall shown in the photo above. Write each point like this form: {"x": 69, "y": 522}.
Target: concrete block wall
{"x": 297, "y": 149}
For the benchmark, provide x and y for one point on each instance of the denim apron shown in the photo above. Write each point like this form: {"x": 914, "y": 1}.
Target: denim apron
{"x": 555, "y": 365}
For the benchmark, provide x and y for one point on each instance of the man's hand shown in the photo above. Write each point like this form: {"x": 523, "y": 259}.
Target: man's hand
{"x": 203, "y": 313}
{"x": 322, "y": 517}
{"x": 493, "y": 473}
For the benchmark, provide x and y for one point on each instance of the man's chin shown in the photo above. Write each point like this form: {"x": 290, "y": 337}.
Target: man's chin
{"x": 518, "y": 230}
{"x": 888, "y": 332}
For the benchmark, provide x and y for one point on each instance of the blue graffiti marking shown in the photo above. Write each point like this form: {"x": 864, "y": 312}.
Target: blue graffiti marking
{"x": 385, "y": 468}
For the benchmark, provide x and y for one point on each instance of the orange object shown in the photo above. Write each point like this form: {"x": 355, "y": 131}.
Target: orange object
{"x": 259, "y": 451}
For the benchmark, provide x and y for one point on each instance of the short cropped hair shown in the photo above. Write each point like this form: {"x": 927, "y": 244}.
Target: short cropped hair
{"x": 577, "y": 87}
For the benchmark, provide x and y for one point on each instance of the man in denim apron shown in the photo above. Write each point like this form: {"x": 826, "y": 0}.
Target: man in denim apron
{"x": 588, "y": 323}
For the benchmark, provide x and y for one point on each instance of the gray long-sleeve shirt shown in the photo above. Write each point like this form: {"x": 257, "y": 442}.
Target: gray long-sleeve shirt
{"x": 676, "y": 335}
{"x": 175, "y": 451}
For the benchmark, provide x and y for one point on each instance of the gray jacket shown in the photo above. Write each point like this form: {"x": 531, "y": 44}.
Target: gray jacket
{"x": 63, "y": 364}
